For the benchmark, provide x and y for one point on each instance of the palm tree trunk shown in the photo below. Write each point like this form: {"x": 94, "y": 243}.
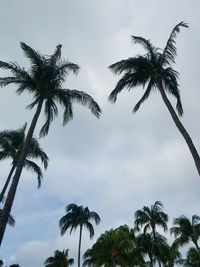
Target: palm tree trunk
{"x": 12, "y": 191}
{"x": 79, "y": 246}
{"x": 7, "y": 182}
{"x": 181, "y": 128}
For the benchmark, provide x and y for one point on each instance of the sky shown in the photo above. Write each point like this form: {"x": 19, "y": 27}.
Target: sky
{"x": 115, "y": 164}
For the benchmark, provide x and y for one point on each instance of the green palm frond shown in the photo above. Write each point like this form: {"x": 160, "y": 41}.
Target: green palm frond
{"x": 146, "y": 44}
{"x": 84, "y": 99}
{"x": 170, "y": 49}
{"x": 30, "y": 165}
{"x": 33, "y": 55}
{"x": 50, "y": 112}
{"x": 144, "y": 97}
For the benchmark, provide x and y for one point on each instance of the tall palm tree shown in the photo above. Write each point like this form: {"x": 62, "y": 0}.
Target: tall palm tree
{"x": 78, "y": 216}
{"x": 44, "y": 81}
{"x": 154, "y": 70}
{"x": 60, "y": 259}
{"x": 150, "y": 217}
{"x": 185, "y": 230}
{"x": 11, "y": 143}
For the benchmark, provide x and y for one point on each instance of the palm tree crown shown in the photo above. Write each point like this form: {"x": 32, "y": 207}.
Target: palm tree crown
{"x": 185, "y": 230}
{"x": 153, "y": 71}
{"x": 45, "y": 81}
{"x": 11, "y": 144}
{"x": 78, "y": 216}
{"x": 152, "y": 68}
{"x": 60, "y": 259}
{"x": 150, "y": 217}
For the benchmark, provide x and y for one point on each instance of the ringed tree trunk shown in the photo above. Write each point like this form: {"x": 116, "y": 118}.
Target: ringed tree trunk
{"x": 79, "y": 246}
{"x": 181, "y": 128}
{"x": 12, "y": 191}
{"x": 7, "y": 182}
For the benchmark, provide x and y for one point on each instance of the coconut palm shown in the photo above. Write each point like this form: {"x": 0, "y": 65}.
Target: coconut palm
{"x": 150, "y": 217}
{"x": 115, "y": 247}
{"x": 185, "y": 230}
{"x": 60, "y": 259}
{"x": 171, "y": 255}
{"x": 154, "y": 71}
{"x": 44, "y": 81}
{"x": 78, "y": 216}
{"x": 152, "y": 247}
{"x": 11, "y": 143}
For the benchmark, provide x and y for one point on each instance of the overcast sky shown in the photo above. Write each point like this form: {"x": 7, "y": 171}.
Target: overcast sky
{"x": 122, "y": 161}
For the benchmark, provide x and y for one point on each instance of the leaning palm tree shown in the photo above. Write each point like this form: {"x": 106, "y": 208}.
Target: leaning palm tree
{"x": 185, "y": 230}
{"x": 44, "y": 81}
{"x": 154, "y": 70}
{"x": 150, "y": 217}
{"x": 60, "y": 259}
{"x": 78, "y": 216}
{"x": 11, "y": 143}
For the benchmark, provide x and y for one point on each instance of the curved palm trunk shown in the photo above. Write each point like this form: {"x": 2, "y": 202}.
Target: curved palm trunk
{"x": 79, "y": 246}
{"x": 12, "y": 191}
{"x": 181, "y": 128}
{"x": 7, "y": 183}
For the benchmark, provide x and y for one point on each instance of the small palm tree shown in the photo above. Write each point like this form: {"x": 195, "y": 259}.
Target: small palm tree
{"x": 44, "y": 81}
{"x": 78, "y": 216}
{"x": 11, "y": 143}
{"x": 150, "y": 217}
{"x": 185, "y": 230}
{"x": 154, "y": 70}
{"x": 60, "y": 259}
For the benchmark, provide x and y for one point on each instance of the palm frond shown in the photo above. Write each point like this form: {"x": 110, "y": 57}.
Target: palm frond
{"x": 50, "y": 111}
{"x": 146, "y": 44}
{"x": 131, "y": 64}
{"x": 33, "y": 55}
{"x": 30, "y": 165}
{"x": 170, "y": 49}
{"x": 83, "y": 99}
{"x": 144, "y": 97}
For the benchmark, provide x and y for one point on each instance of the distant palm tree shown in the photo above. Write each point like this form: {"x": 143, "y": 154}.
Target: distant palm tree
{"x": 60, "y": 259}
{"x": 150, "y": 217}
{"x": 154, "y": 71}
{"x": 115, "y": 247}
{"x": 192, "y": 258}
{"x": 45, "y": 81}
{"x": 11, "y": 143}
{"x": 171, "y": 255}
{"x": 152, "y": 247}
{"x": 78, "y": 216}
{"x": 185, "y": 230}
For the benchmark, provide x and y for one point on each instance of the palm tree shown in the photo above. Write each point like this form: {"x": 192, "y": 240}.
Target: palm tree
{"x": 45, "y": 81}
{"x": 60, "y": 259}
{"x": 115, "y": 247}
{"x": 11, "y": 143}
{"x": 150, "y": 217}
{"x": 78, "y": 216}
{"x": 152, "y": 246}
{"x": 185, "y": 230}
{"x": 154, "y": 71}
{"x": 171, "y": 255}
